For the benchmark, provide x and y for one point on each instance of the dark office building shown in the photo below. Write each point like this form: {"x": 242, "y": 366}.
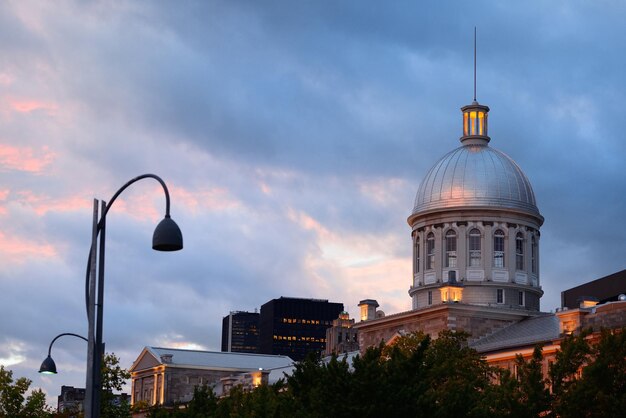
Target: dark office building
{"x": 605, "y": 289}
{"x": 240, "y": 332}
{"x": 295, "y": 327}
{"x": 71, "y": 399}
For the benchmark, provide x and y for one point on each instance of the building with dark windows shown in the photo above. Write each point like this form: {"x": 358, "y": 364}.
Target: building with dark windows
{"x": 71, "y": 399}
{"x": 240, "y": 332}
{"x": 295, "y": 327}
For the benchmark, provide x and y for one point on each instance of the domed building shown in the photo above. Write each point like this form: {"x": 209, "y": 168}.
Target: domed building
{"x": 475, "y": 233}
{"x": 475, "y": 236}
{"x": 475, "y": 227}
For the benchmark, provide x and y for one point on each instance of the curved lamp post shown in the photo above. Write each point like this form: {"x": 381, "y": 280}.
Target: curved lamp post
{"x": 48, "y": 366}
{"x": 166, "y": 237}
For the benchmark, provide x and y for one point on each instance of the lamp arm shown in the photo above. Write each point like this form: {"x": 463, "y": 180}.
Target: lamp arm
{"x": 104, "y": 214}
{"x": 61, "y": 335}
{"x": 136, "y": 179}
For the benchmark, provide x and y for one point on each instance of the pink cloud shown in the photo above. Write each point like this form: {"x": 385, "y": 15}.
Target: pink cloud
{"x": 18, "y": 249}
{"x": 24, "y": 158}
{"x": 214, "y": 199}
{"x": 42, "y": 204}
{"x": 27, "y": 106}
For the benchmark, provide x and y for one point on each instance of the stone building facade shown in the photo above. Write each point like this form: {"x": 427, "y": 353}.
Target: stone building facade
{"x": 166, "y": 376}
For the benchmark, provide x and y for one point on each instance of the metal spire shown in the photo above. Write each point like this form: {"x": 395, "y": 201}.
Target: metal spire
{"x": 474, "y": 63}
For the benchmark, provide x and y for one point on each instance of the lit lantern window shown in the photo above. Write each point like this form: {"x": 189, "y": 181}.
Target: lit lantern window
{"x": 475, "y": 121}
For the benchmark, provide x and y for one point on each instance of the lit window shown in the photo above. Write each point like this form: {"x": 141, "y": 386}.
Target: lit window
{"x": 519, "y": 251}
{"x": 450, "y": 248}
{"x": 473, "y": 123}
{"x": 499, "y": 295}
{"x": 474, "y": 248}
{"x": 498, "y": 249}
{"x": 430, "y": 251}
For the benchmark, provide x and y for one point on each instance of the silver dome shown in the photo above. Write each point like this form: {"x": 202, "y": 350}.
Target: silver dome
{"x": 475, "y": 175}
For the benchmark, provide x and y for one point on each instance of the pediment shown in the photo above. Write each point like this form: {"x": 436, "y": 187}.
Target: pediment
{"x": 146, "y": 360}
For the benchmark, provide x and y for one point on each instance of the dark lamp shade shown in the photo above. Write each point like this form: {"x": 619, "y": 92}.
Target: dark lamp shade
{"x": 167, "y": 236}
{"x": 48, "y": 366}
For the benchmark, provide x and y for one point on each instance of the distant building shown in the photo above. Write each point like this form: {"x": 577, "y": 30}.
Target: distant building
{"x": 295, "y": 327}
{"x": 341, "y": 337}
{"x": 605, "y": 289}
{"x": 71, "y": 399}
{"x": 240, "y": 332}
{"x": 166, "y": 376}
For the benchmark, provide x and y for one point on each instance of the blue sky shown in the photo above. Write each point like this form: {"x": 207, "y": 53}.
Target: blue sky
{"x": 293, "y": 137}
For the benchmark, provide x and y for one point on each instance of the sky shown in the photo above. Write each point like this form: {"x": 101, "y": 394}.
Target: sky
{"x": 293, "y": 136}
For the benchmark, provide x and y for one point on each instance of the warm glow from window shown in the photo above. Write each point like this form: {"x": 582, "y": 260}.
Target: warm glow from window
{"x": 451, "y": 294}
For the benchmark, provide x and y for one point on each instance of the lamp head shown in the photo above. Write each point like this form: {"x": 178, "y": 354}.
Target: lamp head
{"x": 48, "y": 366}
{"x": 167, "y": 236}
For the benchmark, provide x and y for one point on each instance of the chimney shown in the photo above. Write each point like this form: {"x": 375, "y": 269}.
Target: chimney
{"x": 368, "y": 309}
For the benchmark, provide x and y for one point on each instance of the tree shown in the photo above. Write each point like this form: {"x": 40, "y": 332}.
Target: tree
{"x": 532, "y": 391}
{"x": 203, "y": 404}
{"x": 575, "y": 352}
{"x": 590, "y": 379}
{"x": 456, "y": 378}
{"x": 14, "y": 403}
{"x": 113, "y": 379}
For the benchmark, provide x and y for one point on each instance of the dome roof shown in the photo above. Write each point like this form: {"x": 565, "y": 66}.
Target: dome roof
{"x": 475, "y": 176}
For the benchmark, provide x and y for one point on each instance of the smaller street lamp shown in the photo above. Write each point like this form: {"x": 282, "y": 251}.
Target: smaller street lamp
{"x": 48, "y": 366}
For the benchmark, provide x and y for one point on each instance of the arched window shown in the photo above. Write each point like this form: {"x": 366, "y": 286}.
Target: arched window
{"x": 430, "y": 251}
{"x": 498, "y": 249}
{"x": 474, "y": 248}
{"x": 519, "y": 251}
{"x": 416, "y": 254}
{"x": 450, "y": 249}
{"x": 533, "y": 254}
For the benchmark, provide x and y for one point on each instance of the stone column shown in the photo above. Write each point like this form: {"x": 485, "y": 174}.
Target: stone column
{"x": 461, "y": 251}
{"x": 510, "y": 252}
{"x": 438, "y": 267}
{"x": 486, "y": 248}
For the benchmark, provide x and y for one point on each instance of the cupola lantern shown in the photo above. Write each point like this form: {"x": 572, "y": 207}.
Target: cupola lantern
{"x": 475, "y": 124}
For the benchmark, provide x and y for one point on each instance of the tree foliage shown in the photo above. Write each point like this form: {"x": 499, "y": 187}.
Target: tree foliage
{"x": 417, "y": 376}
{"x": 14, "y": 403}
{"x": 113, "y": 379}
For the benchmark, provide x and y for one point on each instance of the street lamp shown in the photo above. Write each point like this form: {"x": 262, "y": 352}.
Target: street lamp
{"x": 48, "y": 366}
{"x": 166, "y": 237}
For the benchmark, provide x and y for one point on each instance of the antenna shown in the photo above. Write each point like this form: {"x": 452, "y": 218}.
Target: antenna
{"x": 474, "y": 63}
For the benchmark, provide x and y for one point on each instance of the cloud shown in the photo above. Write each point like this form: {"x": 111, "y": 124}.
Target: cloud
{"x": 25, "y": 158}
{"x": 19, "y": 249}
{"x": 293, "y": 138}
